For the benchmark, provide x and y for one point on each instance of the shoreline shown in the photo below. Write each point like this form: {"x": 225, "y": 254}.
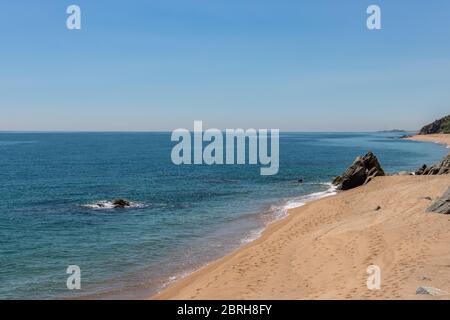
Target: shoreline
{"x": 167, "y": 292}
{"x": 435, "y": 138}
{"x": 289, "y": 204}
{"x": 248, "y": 272}
{"x": 286, "y": 262}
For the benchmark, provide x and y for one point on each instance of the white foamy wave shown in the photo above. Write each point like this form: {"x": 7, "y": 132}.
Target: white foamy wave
{"x": 301, "y": 201}
{"x": 294, "y": 204}
{"x": 180, "y": 275}
{"x": 441, "y": 143}
{"x": 107, "y": 204}
{"x": 253, "y": 235}
{"x": 331, "y": 191}
{"x": 280, "y": 211}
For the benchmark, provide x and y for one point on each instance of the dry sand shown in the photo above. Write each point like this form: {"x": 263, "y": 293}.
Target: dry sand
{"x": 322, "y": 250}
{"x": 437, "y": 138}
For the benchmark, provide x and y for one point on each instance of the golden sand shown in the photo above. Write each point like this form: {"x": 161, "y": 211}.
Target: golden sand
{"x": 437, "y": 138}
{"x": 322, "y": 250}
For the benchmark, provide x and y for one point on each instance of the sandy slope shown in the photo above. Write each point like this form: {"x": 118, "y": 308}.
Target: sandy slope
{"x": 322, "y": 250}
{"x": 437, "y": 138}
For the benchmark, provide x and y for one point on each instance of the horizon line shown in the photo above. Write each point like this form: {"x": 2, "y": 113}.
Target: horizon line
{"x": 169, "y": 131}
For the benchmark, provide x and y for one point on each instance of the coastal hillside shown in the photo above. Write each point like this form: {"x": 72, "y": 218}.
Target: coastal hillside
{"x": 439, "y": 126}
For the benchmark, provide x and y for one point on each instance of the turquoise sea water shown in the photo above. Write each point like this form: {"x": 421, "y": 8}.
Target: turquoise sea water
{"x": 184, "y": 216}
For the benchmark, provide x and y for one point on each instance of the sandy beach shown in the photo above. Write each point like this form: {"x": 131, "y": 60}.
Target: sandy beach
{"x": 322, "y": 250}
{"x": 436, "y": 138}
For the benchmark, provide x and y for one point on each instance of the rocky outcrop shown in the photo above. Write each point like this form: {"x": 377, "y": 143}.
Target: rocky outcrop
{"x": 441, "y": 168}
{"x": 421, "y": 170}
{"x": 431, "y": 291}
{"x": 362, "y": 171}
{"x": 441, "y": 205}
{"x": 120, "y": 203}
{"x": 439, "y": 126}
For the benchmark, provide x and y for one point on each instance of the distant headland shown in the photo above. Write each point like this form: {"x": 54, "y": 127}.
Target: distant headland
{"x": 439, "y": 126}
{"x": 437, "y": 131}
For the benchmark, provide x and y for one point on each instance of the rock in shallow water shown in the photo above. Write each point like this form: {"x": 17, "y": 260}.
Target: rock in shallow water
{"x": 120, "y": 203}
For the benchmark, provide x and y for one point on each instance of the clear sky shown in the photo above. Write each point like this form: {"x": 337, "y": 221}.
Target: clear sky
{"x": 161, "y": 64}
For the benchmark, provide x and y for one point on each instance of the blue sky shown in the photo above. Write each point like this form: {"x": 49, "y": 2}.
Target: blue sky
{"x": 161, "y": 64}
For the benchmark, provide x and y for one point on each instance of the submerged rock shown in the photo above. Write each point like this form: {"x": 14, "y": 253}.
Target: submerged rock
{"x": 120, "y": 203}
{"x": 441, "y": 205}
{"x": 362, "y": 171}
{"x": 113, "y": 204}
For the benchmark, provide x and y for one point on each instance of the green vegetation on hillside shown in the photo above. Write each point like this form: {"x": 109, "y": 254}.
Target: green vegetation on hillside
{"x": 439, "y": 126}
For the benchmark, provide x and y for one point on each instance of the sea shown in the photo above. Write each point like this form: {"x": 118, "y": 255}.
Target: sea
{"x": 181, "y": 217}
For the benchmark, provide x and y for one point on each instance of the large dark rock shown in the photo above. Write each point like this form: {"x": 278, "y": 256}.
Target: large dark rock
{"x": 441, "y": 168}
{"x": 362, "y": 171}
{"x": 441, "y": 205}
{"x": 421, "y": 170}
{"x": 445, "y": 165}
{"x": 120, "y": 203}
{"x": 439, "y": 126}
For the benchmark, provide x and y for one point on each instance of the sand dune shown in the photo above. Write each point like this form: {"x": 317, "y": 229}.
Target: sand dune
{"x": 322, "y": 250}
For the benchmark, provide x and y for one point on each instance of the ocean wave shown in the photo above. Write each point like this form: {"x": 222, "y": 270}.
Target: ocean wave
{"x": 331, "y": 191}
{"x": 13, "y": 143}
{"x": 302, "y": 200}
{"x": 222, "y": 180}
{"x": 108, "y": 205}
{"x": 252, "y": 236}
{"x": 280, "y": 210}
